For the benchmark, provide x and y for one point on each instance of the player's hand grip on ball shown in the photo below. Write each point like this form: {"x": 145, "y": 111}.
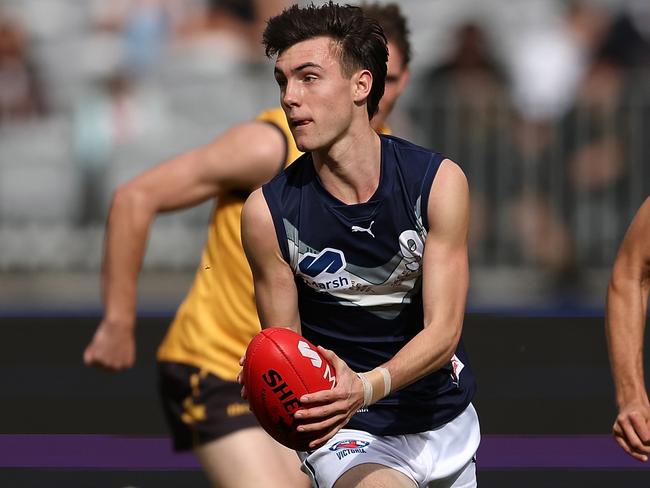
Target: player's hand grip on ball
{"x": 280, "y": 367}
{"x": 332, "y": 409}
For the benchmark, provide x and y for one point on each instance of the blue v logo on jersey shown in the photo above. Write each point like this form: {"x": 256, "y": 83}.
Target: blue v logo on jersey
{"x": 328, "y": 260}
{"x": 324, "y": 271}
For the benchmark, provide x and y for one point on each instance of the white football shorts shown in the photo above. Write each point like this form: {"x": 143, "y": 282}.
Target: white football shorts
{"x": 443, "y": 457}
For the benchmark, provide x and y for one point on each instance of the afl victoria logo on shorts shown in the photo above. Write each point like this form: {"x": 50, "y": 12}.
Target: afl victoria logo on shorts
{"x": 349, "y": 446}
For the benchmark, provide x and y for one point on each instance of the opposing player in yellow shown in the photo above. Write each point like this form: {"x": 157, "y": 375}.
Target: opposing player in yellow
{"x": 199, "y": 357}
{"x": 627, "y": 310}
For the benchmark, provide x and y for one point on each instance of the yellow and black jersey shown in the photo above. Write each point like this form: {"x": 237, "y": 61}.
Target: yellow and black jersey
{"x": 217, "y": 319}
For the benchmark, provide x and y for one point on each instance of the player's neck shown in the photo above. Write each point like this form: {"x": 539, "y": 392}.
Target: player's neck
{"x": 350, "y": 169}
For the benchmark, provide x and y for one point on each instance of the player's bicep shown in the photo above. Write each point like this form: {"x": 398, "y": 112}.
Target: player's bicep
{"x": 242, "y": 158}
{"x": 633, "y": 259}
{"x": 247, "y": 155}
{"x": 180, "y": 182}
{"x": 445, "y": 261}
{"x": 275, "y": 289}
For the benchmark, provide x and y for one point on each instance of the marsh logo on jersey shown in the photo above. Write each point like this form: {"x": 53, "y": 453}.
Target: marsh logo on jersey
{"x": 325, "y": 270}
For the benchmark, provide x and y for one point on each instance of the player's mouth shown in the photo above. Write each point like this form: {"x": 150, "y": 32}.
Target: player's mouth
{"x": 298, "y": 123}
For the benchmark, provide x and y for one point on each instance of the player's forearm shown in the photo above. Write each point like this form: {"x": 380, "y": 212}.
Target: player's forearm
{"x": 625, "y": 324}
{"x": 444, "y": 291}
{"x": 277, "y": 304}
{"x": 431, "y": 349}
{"x": 125, "y": 243}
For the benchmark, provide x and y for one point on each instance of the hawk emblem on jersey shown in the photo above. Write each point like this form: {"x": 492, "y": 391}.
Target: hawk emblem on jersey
{"x": 412, "y": 248}
{"x": 356, "y": 228}
{"x": 328, "y": 260}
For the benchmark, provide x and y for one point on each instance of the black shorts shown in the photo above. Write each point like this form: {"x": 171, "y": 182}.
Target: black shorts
{"x": 199, "y": 406}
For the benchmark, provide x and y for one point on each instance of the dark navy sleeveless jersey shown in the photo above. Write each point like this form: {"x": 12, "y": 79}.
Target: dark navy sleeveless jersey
{"x": 359, "y": 278}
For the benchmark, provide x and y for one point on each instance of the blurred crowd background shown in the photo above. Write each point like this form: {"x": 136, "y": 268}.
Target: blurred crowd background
{"x": 544, "y": 103}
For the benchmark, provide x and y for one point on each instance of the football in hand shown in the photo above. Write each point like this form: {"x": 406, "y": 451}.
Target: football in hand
{"x": 279, "y": 367}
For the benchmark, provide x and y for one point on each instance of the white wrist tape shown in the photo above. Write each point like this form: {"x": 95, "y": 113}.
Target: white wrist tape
{"x": 367, "y": 390}
{"x": 376, "y": 385}
{"x": 387, "y": 380}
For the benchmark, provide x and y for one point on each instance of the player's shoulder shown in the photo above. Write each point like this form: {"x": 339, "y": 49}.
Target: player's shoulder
{"x": 639, "y": 232}
{"x": 275, "y": 115}
{"x": 407, "y": 146}
{"x": 408, "y": 155}
{"x": 644, "y": 210}
{"x": 415, "y": 163}
{"x": 296, "y": 172}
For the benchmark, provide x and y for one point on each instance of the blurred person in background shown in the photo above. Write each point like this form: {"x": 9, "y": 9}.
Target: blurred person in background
{"x": 547, "y": 65}
{"x": 21, "y": 93}
{"x": 226, "y": 31}
{"x": 145, "y": 28}
{"x": 627, "y": 309}
{"x": 460, "y": 109}
{"x": 113, "y": 112}
{"x": 199, "y": 357}
{"x": 603, "y": 140}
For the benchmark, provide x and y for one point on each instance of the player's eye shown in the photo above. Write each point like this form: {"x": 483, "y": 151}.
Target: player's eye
{"x": 309, "y": 78}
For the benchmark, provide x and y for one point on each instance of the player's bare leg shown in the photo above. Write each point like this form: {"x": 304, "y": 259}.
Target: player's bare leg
{"x": 250, "y": 458}
{"x": 373, "y": 476}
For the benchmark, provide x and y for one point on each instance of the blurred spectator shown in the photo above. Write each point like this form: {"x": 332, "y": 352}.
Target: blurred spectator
{"x": 21, "y": 95}
{"x": 464, "y": 108}
{"x": 460, "y": 108}
{"x": 549, "y": 61}
{"x": 226, "y": 33}
{"x": 145, "y": 27}
{"x": 603, "y": 140}
{"x": 114, "y": 113}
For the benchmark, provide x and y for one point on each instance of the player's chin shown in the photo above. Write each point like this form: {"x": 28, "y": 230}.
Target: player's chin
{"x": 305, "y": 145}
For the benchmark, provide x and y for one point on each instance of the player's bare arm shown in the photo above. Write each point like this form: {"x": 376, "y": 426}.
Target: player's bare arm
{"x": 627, "y": 300}
{"x": 445, "y": 284}
{"x": 445, "y": 280}
{"x": 276, "y": 295}
{"x": 244, "y": 157}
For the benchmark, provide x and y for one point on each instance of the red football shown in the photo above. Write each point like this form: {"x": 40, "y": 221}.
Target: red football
{"x": 279, "y": 367}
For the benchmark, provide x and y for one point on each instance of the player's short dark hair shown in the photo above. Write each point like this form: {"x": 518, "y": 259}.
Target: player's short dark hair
{"x": 360, "y": 39}
{"x": 394, "y": 25}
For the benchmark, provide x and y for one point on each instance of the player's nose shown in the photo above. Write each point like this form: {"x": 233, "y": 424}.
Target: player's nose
{"x": 291, "y": 94}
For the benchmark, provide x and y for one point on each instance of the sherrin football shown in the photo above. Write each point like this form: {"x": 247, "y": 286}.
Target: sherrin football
{"x": 279, "y": 367}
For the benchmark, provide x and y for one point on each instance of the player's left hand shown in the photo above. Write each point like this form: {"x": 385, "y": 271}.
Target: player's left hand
{"x": 330, "y": 410}
{"x": 240, "y": 378}
{"x": 632, "y": 429}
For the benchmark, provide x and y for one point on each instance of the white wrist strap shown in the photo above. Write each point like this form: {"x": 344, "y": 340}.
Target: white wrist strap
{"x": 367, "y": 390}
{"x": 376, "y": 385}
{"x": 387, "y": 380}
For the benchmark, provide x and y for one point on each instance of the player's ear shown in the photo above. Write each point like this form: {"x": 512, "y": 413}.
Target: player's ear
{"x": 362, "y": 85}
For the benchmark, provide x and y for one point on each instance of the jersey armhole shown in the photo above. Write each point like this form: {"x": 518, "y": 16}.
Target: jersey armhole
{"x": 278, "y": 223}
{"x": 425, "y": 189}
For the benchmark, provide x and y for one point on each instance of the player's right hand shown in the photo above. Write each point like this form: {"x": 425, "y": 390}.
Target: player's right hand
{"x": 632, "y": 430}
{"x": 111, "y": 348}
